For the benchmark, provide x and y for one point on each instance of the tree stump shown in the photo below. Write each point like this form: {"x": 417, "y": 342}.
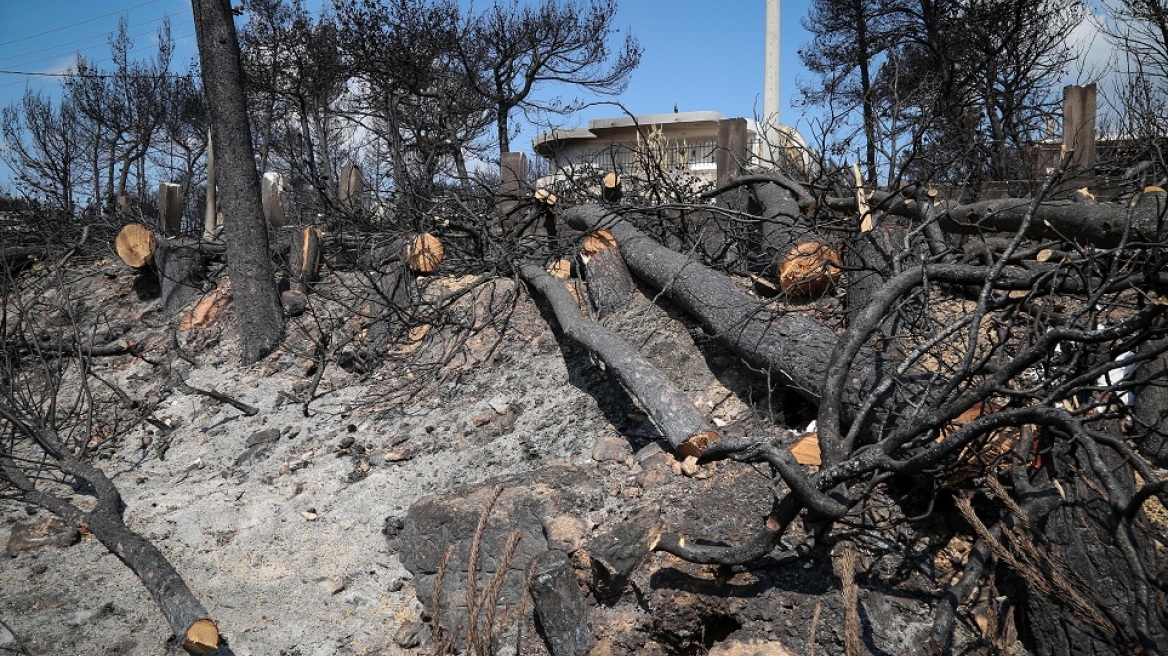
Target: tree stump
{"x": 610, "y": 188}
{"x": 272, "y": 199}
{"x": 170, "y": 207}
{"x": 180, "y": 272}
{"x": 305, "y": 258}
{"x": 351, "y": 187}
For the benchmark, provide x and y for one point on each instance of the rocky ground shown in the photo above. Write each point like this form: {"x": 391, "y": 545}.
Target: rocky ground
{"x": 325, "y": 534}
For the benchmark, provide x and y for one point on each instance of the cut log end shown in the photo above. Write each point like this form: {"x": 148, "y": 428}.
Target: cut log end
{"x": 545, "y": 197}
{"x": 806, "y": 450}
{"x": 425, "y": 253}
{"x": 696, "y": 444}
{"x": 561, "y": 269}
{"x": 202, "y": 637}
{"x": 136, "y": 244}
{"x": 598, "y": 241}
{"x": 809, "y": 269}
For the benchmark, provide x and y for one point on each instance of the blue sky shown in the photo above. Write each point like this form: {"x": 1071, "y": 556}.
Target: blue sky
{"x": 698, "y": 54}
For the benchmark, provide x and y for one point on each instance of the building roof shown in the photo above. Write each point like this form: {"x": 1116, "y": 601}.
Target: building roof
{"x": 546, "y": 143}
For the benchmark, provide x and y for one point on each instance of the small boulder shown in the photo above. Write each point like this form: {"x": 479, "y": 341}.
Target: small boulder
{"x": 41, "y": 533}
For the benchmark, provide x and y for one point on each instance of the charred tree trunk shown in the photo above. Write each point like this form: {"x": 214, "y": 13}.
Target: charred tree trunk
{"x": 778, "y": 229}
{"x": 609, "y": 282}
{"x": 392, "y": 292}
{"x": 1108, "y": 605}
{"x": 870, "y": 260}
{"x": 686, "y": 429}
{"x": 253, "y": 284}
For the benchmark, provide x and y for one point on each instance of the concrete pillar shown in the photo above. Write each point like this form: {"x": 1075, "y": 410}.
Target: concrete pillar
{"x": 1079, "y": 108}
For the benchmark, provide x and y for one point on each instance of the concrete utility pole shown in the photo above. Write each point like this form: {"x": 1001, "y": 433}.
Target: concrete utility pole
{"x": 770, "y": 116}
{"x": 771, "y": 69}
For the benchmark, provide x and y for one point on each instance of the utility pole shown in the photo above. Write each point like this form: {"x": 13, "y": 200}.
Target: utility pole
{"x": 771, "y": 115}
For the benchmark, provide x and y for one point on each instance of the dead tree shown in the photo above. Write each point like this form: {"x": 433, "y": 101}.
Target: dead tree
{"x": 253, "y": 282}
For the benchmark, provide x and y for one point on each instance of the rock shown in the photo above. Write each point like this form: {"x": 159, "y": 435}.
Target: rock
{"x": 295, "y": 302}
{"x": 611, "y": 448}
{"x": 655, "y": 471}
{"x": 332, "y": 585}
{"x": 749, "y": 647}
{"x": 410, "y": 635}
{"x": 690, "y": 467}
{"x": 41, "y": 533}
{"x": 560, "y": 608}
{"x": 437, "y": 522}
{"x": 397, "y": 455}
{"x": 483, "y": 418}
{"x": 618, "y": 550}
{"x": 564, "y": 533}
{"x": 266, "y": 436}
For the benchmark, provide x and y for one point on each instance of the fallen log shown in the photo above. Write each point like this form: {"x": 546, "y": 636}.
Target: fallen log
{"x": 135, "y": 245}
{"x": 685, "y": 428}
{"x": 1103, "y": 225}
{"x": 609, "y": 282}
{"x": 809, "y": 269}
{"x": 795, "y": 349}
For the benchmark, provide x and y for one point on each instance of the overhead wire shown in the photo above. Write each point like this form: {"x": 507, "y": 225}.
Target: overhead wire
{"x": 78, "y": 23}
{"x": 103, "y": 35}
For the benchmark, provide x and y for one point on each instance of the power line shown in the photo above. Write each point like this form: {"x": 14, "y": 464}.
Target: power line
{"x": 83, "y": 22}
{"x": 100, "y": 45}
{"x": 88, "y": 38}
{"x": 28, "y": 74}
